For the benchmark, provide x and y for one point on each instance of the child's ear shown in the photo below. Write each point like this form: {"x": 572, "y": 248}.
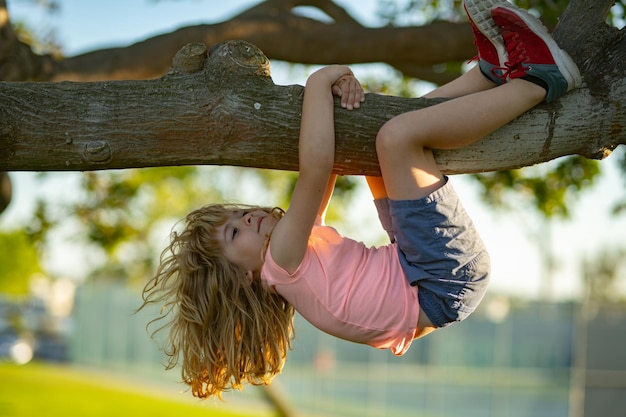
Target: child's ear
{"x": 249, "y": 276}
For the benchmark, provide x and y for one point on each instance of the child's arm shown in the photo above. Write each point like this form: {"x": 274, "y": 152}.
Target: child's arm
{"x": 316, "y": 157}
{"x": 330, "y": 188}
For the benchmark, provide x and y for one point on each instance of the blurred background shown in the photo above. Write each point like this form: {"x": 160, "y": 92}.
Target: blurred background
{"x": 75, "y": 249}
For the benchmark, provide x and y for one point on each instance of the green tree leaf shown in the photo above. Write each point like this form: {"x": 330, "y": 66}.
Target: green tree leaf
{"x": 18, "y": 262}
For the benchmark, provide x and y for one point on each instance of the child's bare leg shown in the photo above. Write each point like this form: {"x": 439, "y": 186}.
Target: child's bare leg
{"x": 403, "y": 144}
{"x": 377, "y": 187}
{"x": 470, "y": 82}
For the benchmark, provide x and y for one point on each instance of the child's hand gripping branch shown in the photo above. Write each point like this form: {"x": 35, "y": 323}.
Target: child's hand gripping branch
{"x": 350, "y": 90}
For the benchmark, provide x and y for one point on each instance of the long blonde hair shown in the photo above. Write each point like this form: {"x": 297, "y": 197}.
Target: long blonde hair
{"x": 227, "y": 329}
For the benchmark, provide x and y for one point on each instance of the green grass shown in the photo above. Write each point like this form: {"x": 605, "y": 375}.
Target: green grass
{"x": 48, "y": 390}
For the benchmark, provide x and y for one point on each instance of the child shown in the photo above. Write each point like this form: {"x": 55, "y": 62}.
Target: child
{"x": 230, "y": 281}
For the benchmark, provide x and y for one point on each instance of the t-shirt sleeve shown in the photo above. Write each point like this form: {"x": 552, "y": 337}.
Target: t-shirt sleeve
{"x": 273, "y": 274}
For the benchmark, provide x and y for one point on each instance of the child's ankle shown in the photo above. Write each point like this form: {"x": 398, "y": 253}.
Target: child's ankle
{"x": 482, "y": 71}
{"x": 535, "y": 80}
{"x": 538, "y": 90}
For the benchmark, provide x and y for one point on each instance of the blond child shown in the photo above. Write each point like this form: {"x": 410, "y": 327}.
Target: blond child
{"x": 231, "y": 279}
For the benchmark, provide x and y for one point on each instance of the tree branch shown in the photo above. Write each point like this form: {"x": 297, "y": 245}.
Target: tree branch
{"x": 266, "y": 25}
{"x": 229, "y": 112}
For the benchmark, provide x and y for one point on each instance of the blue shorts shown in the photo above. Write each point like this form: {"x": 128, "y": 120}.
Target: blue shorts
{"x": 440, "y": 252}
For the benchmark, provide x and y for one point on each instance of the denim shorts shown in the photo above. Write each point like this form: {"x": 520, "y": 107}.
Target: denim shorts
{"x": 440, "y": 252}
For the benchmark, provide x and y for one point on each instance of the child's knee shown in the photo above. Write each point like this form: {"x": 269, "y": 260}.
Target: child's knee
{"x": 384, "y": 140}
{"x": 390, "y": 140}
{"x": 396, "y": 138}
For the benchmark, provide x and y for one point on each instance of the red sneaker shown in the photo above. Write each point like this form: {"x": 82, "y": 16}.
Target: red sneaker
{"x": 492, "y": 52}
{"x": 533, "y": 53}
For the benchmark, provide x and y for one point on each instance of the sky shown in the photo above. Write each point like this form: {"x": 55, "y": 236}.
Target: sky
{"x": 516, "y": 239}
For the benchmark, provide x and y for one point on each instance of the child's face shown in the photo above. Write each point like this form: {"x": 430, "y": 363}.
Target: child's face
{"x": 243, "y": 238}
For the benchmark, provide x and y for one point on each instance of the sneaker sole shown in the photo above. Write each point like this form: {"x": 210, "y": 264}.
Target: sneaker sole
{"x": 479, "y": 11}
{"x": 563, "y": 61}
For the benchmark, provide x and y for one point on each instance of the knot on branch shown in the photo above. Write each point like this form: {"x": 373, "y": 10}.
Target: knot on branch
{"x": 189, "y": 59}
{"x": 239, "y": 57}
{"x": 97, "y": 151}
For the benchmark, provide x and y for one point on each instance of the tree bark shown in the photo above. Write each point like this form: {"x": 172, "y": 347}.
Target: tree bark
{"x": 224, "y": 109}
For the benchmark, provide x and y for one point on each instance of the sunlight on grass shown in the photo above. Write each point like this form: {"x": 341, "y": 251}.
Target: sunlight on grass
{"x": 51, "y": 390}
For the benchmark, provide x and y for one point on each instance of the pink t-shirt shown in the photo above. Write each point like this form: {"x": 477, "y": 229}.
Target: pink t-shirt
{"x": 350, "y": 291}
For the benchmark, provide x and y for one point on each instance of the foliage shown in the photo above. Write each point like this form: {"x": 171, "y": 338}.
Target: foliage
{"x": 41, "y": 38}
{"x": 18, "y": 263}
{"x": 549, "y": 188}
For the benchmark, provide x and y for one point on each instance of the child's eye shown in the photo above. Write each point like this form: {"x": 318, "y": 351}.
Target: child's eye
{"x": 235, "y": 232}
